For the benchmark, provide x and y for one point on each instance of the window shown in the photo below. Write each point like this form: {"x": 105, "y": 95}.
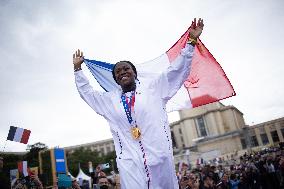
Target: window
{"x": 264, "y": 138}
{"x": 182, "y": 141}
{"x": 201, "y": 127}
{"x": 108, "y": 149}
{"x": 179, "y": 130}
{"x": 173, "y": 139}
{"x": 275, "y": 137}
{"x": 102, "y": 150}
{"x": 253, "y": 141}
{"x": 244, "y": 144}
{"x": 181, "y": 138}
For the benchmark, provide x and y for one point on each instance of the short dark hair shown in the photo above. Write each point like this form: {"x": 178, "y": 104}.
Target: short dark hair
{"x": 100, "y": 177}
{"x": 127, "y": 62}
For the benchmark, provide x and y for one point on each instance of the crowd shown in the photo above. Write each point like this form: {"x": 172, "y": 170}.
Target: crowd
{"x": 99, "y": 181}
{"x": 258, "y": 170}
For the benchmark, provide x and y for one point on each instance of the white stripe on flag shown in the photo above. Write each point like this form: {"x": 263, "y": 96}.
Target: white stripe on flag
{"x": 18, "y": 134}
{"x": 148, "y": 70}
{"x": 25, "y": 168}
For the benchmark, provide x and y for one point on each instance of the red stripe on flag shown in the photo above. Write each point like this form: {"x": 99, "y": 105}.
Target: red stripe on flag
{"x": 174, "y": 51}
{"x": 20, "y": 167}
{"x": 25, "y": 136}
{"x": 207, "y": 81}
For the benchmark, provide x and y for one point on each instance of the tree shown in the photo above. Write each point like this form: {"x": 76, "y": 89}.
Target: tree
{"x": 32, "y": 155}
{"x": 83, "y": 155}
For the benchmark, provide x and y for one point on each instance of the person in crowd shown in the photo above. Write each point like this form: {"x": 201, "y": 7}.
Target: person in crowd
{"x": 234, "y": 181}
{"x": 141, "y": 132}
{"x": 75, "y": 184}
{"x": 224, "y": 182}
{"x": 208, "y": 182}
{"x": 116, "y": 181}
{"x": 95, "y": 175}
{"x": 103, "y": 182}
{"x": 29, "y": 182}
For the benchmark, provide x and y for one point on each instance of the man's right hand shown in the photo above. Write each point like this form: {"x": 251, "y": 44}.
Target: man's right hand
{"x": 78, "y": 59}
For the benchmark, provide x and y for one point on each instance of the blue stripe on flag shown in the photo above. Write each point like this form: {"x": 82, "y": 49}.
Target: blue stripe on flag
{"x": 11, "y": 133}
{"x": 103, "y": 65}
{"x": 102, "y": 72}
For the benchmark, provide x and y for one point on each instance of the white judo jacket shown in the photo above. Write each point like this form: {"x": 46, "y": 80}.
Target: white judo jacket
{"x": 147, "y": 163}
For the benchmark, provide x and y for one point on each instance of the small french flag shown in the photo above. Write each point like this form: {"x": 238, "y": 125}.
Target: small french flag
{"x": 199, "y": 161}
{"x": 18, "y": 134}
{"x": 23, "y": 168}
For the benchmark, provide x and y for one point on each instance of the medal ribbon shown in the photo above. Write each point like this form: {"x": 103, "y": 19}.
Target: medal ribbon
{"x": 129, "y": 108}
{"x": 129, "y": 111}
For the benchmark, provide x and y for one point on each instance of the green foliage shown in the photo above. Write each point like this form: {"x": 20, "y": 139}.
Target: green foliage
{"x": 83, "y": 155}
{"x": 9, "y": 162}
{"x": 32, "y": 155}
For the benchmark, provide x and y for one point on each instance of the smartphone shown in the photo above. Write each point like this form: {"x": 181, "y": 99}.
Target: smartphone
{"x": 104, "y": 166}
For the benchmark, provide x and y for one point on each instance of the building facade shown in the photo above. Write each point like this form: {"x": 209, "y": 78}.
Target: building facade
{"x": 211, "y": 131}
{"x": 269, "y": 133}
{"x": 103, "y": 147}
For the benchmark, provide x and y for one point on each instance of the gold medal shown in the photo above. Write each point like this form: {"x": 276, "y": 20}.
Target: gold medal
{"x": 136, "y": 133}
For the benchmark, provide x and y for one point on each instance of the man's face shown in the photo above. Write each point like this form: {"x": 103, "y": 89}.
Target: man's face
{"x": 103, "y": 182}
{"x": 124, "y": 74}
{"x": 209, "y": 181}
{"x": 225, "y": 177}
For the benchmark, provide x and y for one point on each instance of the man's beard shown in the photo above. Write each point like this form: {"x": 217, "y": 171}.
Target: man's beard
{"x": 104, "y": 187}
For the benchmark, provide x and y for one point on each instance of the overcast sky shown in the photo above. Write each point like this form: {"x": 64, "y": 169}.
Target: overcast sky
{"x": 37, "y": 39}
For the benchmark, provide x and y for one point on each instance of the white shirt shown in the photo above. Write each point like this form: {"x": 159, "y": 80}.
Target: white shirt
{"x": 151, "y": 157}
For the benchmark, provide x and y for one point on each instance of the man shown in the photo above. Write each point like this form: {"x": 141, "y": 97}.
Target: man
{"x": 103, "y": 182}
{"x": 208, "y": 182}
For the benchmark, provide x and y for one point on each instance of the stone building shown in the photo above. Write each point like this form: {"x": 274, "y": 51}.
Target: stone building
{"x": 103, "y": 147}
{"x": 211, "y": 131}
{"x": 218, "y": 131}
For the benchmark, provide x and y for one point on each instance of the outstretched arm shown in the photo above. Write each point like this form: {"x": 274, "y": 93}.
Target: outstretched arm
{"x": 195, "y": 30}
{"x": 178, "y": 71}
{"x": 96, "y": 100}
{"x": 78, "y": 59}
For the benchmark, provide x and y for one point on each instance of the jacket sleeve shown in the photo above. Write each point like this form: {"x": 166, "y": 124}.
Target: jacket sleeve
{"x": 96, "y": 100}
{"x": 171, "y": 80}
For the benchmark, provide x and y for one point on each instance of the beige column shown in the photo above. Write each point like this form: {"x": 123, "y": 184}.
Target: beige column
{"x": 190, "y": 131}
{"x": 219, "y": 122}
{"x": 278, "y": 128}
{"x": 268, "y": 133}
{"x": 257, "y": 134}
{"x": 53, "y": 168}
{"x": 236, "y": 120}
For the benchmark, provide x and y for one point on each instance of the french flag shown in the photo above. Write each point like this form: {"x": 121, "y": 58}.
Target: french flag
{"x": 18, "y": 134}
{"x": 206, "y": 83}
{"x": 23, "y": 168}
{"x": 199, "y": 161}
